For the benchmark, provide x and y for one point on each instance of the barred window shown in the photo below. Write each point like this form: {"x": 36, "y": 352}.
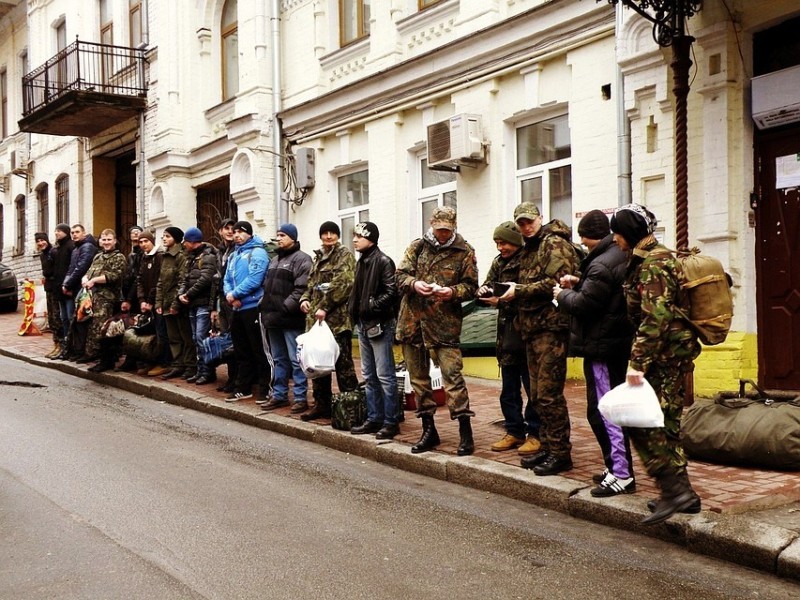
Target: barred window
{"x": 62, "y": 199}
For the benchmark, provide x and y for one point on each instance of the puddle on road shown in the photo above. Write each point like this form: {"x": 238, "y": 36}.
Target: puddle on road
{"x": 22, "y": 384}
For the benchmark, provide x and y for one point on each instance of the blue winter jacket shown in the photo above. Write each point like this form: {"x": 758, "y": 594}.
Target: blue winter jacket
{"x": 79, "y": 262}
{"x": 244, "y": 276}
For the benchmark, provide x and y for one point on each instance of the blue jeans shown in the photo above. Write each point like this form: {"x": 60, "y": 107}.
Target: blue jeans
{"x": 283, "y": 349}
{"x": 515, "y": 378}
{"x": 200, "y": 319}
{"x": 66, "y": 307}
{"x": 377, "y": 368}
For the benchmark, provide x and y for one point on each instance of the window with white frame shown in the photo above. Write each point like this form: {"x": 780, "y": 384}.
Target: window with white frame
{"x": 436, "y": 188}
{"x": 353, "y": 20}
{"x": 353, "y": 194}
{"x": 106, "y": 23}
{"x": 229, "y": 31}
{"x": 544, "y": 167}
{"x": 135, "y": 22}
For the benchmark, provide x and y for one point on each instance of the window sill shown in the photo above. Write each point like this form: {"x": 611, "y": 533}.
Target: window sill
{"x": 342, "y": 55}
{"x": 428, "y": 16}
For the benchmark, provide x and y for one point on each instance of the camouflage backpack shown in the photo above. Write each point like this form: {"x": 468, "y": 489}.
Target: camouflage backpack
{"x": 349, "y": 409}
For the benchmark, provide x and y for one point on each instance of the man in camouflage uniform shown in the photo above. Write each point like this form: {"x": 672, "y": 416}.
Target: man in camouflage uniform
{"x": 547, "y": 256}
{"x": 522, "y": 432}
{"x": 664, "y": 349}
{"x": 104, "y": 280}
{"x": 329, "y": 285}
{"x": 437, "y": 273}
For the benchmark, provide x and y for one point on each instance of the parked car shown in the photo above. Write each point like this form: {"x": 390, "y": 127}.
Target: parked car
{"x": 9, "y": 289}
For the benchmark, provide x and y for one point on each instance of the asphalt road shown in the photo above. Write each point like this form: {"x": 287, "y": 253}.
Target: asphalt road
{"x": 104, "y": 494}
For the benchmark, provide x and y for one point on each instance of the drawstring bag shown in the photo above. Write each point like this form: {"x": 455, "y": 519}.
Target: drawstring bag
{"x": 632, "y": 406}
{"x": 317, "y": 351}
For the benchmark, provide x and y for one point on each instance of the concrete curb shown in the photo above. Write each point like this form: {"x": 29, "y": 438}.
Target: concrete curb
{"x": 733, "y": 538}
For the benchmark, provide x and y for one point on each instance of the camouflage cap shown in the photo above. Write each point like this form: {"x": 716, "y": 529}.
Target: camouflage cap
{"x": 444, "y": 217}
{"x": 526, "y": 210}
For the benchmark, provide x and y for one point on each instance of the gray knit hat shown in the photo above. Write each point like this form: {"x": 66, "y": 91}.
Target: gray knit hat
{"x": 508, "y": 232}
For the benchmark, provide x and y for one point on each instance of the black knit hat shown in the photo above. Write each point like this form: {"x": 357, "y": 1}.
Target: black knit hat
{"x": 41, "y": 235}
{"x": 594, "y": 225}
{"x": 175, "y": 232}
{"x": 63, "y": 227}
{"x": 244, "y": 226}
{"x": 329, "y": 226}
{"x": 368, "y": 230}
{"x": 633, "y": 222}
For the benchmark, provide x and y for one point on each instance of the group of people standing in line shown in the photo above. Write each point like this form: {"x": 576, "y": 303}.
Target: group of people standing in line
{"x": 615, "y": 306}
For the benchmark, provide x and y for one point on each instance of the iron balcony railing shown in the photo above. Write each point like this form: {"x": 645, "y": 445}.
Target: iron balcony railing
{"x": 85, "y": 67}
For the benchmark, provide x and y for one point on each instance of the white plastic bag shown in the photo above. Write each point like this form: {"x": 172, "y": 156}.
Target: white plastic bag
{"x": 317, "y": 351}
{"x": 632, "y": 406}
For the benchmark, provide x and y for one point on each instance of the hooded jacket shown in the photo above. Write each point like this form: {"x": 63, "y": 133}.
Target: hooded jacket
{"x": 79, "y": 262}
{"x": 244, "y": 277}
{"x": 329, "y": 284}
{"x": 201, "y": 268}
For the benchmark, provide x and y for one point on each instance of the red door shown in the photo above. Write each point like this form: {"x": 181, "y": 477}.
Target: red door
{"x": 778, "y": 262}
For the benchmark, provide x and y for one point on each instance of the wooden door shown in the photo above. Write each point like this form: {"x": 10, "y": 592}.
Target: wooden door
{"x": 778, "y": 260}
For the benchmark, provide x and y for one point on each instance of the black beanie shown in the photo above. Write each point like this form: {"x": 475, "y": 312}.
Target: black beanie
{"x": 63, "y": 227}
{"x": 175, "y": 232}
{"x": 631, "y": 225}
{"x": 594, "y": 225}
{"x": 244, "y": 226}
{"x": 329, "y": 226}
{"x": 368, "y": 230}
{"x": 41, "y": 235}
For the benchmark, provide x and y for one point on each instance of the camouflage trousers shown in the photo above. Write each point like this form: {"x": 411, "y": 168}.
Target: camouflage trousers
{"x": 660, "y": 448}
{"x": 54, "y": 317}
{"x": 547, "y": 366}
{"x": 102, "y": 311}
{"x": 346, "y": 378}
{"x": 449, "y": 360}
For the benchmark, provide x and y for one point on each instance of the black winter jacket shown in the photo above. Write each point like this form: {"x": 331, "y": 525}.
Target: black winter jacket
{"x": 599, "y": 327}
{"x": 49, "y": 268}
{"x": 374, "y": 297}
{"x": 79, "y": 262}
{"x": 285, "y": 282}
{"x": 62, "y": 252}
{"x": 149, "y": 272}
{"x": 201, "y": 271}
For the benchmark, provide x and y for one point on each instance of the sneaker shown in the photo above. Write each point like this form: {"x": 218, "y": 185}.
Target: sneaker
{"x": 236, "y": 396}
{"x": 530, "y": 447}
{"x": 611, "y": 486}
{"x": 509, "y": 442}
{"x": 598, "y": 478}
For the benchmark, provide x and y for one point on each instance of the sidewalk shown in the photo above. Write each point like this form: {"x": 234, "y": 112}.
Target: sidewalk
{"x": 750, "y": 516}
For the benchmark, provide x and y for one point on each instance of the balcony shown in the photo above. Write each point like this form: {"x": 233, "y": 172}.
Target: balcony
{"x": 84, "y": 89}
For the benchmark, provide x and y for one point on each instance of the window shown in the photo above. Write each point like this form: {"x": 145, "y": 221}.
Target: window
{"x": 2, "y": 230}
{"x": 353, "y": 201}
{"x": 3, "y": 105}
{"x": 544, "y": 167}
{"x": 353, "y": 20}
{"x": 106, "y": 23}
{"x": 135, "y": 22}
{"x": 426, "y": 3}
{"x": 19, "y": 206}
{"x": 62, "y": 199}
{"x": 230, "y": 49}
{"x": 61, "y": 44}
{"x": 437, "y": 188}
{"x": 43, "y": 212}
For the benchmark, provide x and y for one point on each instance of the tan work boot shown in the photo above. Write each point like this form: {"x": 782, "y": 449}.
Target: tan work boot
{"x": 55, "y": 351}
{"x": 530, "y": 447}
{"x": 509, "y": 442}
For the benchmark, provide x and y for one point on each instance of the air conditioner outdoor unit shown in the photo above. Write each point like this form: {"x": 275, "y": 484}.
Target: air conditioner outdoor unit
{"x": 776, "y": 98}
{"x": 457, "y": 141}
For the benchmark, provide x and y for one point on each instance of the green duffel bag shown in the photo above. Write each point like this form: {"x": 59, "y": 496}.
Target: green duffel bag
{"x": 349, "y": 409}
{"x": 140, "y": 347}
{"x": 743, "y": 432}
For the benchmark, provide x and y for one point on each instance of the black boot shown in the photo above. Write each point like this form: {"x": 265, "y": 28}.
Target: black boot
{"x": 676, "y": 495}
{"x": 321, "y": 410}
{"x": 467, "y": 445}
{"x": 430, "y": 437}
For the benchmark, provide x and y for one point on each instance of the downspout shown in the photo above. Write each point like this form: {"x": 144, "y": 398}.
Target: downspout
{"x": 142, "y": 156}
{"x": 281, "y": 207}
{"x": 624, "y": 175}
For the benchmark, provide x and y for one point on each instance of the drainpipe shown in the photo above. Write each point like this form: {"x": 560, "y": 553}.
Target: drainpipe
{"x": 624, "y": 179}
{"x": 145, "y": 43}
{"x": 281, "y": 207}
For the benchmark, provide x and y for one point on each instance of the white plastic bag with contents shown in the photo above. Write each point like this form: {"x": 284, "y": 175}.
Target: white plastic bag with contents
{"x": 317, "y": 351}
{"x": 632, "y": 406}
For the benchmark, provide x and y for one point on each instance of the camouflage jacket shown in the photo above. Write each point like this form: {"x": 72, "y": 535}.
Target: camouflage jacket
{"x": 652, "y": 292}
{"x": 173, "y": 270}
{"x": 502, "y": 270}
{"x": 546, "y": 257}
{"x": 112, "y": 265}
{"x": 425, "y": 319}
{"x": 329, "y": 285}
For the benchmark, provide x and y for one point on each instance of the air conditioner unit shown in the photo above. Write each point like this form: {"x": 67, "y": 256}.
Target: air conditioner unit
{"x": 776, "y": 98}
{"x": 457, "y": 141}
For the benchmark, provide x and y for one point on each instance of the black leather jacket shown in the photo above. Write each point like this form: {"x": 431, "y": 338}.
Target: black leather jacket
{"x": 374, "y": 298}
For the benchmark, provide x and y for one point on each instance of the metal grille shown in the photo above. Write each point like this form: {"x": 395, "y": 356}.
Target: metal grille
{"x": 439, "y": 142}
{"x": 214, "y": 203}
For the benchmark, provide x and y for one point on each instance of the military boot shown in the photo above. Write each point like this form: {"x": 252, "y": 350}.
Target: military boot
{"x": 55, "y": 351}
{"x": 430, "y": 437}
{"x": 693, "y": 509}
{"x": 467, "y": 445}
{"x": 676, "y": 495}
{"x": 321, "y": 410}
